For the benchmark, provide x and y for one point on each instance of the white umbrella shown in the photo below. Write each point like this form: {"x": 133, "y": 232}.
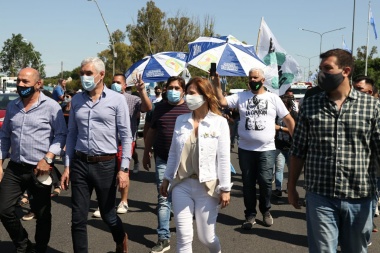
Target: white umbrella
{"x": 232, "y": 57}
{"x": 157, "y": 67}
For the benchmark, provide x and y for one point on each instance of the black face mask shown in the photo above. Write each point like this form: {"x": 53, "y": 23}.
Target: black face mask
{"x": 164, "y": 97}
{"x": 255, "y": 86}
{"x": 25, "y": 92}
{"x": 329, "y": 82}
{"x": 158, "y": 93}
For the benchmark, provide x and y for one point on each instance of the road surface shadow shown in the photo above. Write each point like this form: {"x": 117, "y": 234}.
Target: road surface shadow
{"x": 294, "y": 239}
{"x": 9, "y": 247}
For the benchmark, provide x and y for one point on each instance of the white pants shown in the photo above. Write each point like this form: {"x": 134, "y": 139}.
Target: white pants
{"x": 190, "y": 198}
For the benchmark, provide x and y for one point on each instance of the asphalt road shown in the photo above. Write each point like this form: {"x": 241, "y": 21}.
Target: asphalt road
{"x": 288, "y": 233}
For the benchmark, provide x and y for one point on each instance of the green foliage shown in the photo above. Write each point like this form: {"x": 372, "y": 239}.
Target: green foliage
{"x": 373, "y": 64}
{"x": 237, "y": 82}
{"x": 362, "y": 51}
{"x": 17, "y": 54}
{"x": 149, "y": 35}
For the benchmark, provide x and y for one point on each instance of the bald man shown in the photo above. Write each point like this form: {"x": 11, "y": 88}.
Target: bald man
{"x": 34, "y": 129}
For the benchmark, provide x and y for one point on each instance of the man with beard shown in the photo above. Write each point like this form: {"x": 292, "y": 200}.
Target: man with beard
{"x": 336, "y": 140}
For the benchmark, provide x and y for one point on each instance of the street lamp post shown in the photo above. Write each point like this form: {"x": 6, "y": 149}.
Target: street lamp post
{"x": 34, "y": 52}
{"x": 109, "y": 34}
{"x": 309, "y": 60}
{"x": 321, "y": 34}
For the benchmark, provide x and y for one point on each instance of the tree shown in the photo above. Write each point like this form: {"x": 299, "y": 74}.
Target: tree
{"x": 208, "y": 26}
{"x": 149, "y": 35}
{"x": 17, "y": 54}
{"x": 361, "y": 52}
{"x": 182, "y": 30}
{"x": 123, "y": 60}
{"x": 373, "y": 64}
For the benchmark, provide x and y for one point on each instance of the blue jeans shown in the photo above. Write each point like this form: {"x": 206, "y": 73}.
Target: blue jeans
{"x": 85, "y": 177}
{"x": 256, "y": 167}
{"x": 164, "y": 204}
{"x": 282, "y": 157}
{"x": 329, "y": 221}
{"x": 234, "y": 131}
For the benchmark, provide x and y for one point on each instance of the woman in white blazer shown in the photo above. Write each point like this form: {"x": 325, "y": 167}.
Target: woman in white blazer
{"x": 198, "y": 168}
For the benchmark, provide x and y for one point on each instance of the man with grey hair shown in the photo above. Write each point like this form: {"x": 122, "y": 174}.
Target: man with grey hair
{"x": 258, "y": 109}
{"x": 99, "y": 118}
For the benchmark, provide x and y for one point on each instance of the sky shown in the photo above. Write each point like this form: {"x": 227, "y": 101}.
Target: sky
{"x": 68, "y": 30}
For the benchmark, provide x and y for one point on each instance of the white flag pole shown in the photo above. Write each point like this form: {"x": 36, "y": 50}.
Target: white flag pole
{"x": 366, "y": 53}
{"x": 258, "y": 36}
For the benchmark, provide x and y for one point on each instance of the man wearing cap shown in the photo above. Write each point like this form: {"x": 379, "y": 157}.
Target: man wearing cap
{"x": 34, "y": 130}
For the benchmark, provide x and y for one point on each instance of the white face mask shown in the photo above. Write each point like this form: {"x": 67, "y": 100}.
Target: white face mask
{"x": 194, "y": 101}
{"x": 88, "y": 82}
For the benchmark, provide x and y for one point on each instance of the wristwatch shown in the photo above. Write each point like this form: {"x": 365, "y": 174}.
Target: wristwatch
{"x": 48, "y": 160}
{"x": 280, "y": 128}
{"x": 124, "y": 169}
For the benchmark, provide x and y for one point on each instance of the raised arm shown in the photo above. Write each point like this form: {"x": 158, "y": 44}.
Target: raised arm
{"x": 218, "y": 90}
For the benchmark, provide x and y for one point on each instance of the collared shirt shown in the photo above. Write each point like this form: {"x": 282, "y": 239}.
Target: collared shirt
{"x": 337, "y": 145}
{"x": 31, "y": 134}
{"x": 213, "y": 151}
{"x": 94, "y": 126}
{"x": 134, "y": 105}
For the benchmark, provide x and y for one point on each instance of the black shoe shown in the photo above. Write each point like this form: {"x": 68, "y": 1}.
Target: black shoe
{"x": 249, "y": 222}
{"x": 161, "y": 246}
{"x": 277, "y": 193}
{"x": 122, "y": 247}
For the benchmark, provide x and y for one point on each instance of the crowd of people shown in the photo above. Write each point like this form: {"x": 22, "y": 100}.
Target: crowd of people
{"x": 333, "y": 135}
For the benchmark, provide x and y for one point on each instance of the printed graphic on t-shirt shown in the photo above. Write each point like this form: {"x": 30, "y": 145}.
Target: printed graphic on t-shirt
{"x": 257, "y": 109}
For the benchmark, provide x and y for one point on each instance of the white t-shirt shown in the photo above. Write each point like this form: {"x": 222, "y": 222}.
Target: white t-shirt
{"x": 155, "y": 99}
{"x": 257, "y": 118}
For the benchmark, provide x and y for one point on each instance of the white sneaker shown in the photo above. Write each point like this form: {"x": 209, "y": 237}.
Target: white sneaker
{"x": 136, "y": 168}
{"x": 122, "y": 207}
{"x": 96, "y": 214}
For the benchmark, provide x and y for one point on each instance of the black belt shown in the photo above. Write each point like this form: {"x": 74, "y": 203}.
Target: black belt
{"x": 94, "y": 158}
{"x": 22, "y": 164}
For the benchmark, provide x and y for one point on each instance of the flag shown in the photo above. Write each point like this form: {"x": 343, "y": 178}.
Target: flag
{"x": 344, "y": 46}
{"x": 372, "y": 22}
{"x": 282, "y": 69}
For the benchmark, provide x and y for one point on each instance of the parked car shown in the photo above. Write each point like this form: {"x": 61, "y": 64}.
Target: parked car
{"x": 5, "y": 98}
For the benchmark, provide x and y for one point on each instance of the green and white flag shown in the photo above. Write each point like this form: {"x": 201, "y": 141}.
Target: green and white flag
{"x": 282, "y": 69}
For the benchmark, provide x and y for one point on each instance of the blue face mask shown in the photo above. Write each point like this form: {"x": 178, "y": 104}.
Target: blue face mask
{"x": 116, "y": 87}
{"x": 174, "y": 96}
{"x": 88, "y": 82}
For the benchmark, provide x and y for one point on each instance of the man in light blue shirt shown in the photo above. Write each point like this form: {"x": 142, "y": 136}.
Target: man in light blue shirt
{"x": 34, "y": 130}
{"x": 99, "y": 117}
{"x": 59, "y": 90}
